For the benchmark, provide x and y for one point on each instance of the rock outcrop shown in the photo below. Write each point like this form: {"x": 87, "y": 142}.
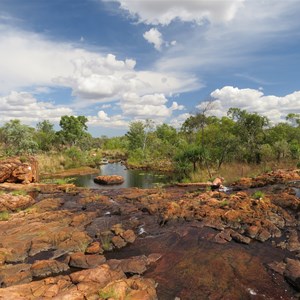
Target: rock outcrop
{"x": 17, "y": 171}
{"x": 195, "y": 244}
{"x": 109, "y": 179}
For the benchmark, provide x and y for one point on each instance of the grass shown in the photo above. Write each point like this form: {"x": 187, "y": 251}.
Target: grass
{"x": 224, "y": 203}
{"x": 59, "y": 181}
{"x": 19, "y": 193}
{"x": 106, "y": 242}
{"x": 234, "y": 171}
{"x": 258, "y": 195}
{"x": 4, "y": 215}
{"x": 51, "y": 162}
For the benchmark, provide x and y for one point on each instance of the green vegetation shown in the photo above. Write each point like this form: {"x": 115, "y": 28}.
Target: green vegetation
{"x": 239, "y": 144}
{"x": 4, "y": 215}
{"x": 224, "y": 203}
{"x": 19, "y": 193}
{"x": 59, "y": 181}
{"x": 258, "y": 195}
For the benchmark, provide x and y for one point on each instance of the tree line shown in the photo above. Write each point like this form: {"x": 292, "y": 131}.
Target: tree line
{"x": 203, "y": 142}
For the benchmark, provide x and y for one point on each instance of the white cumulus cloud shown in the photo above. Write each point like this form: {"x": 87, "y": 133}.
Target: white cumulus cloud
{"x": 24, "y": 106}
{"x": 153, "y": 36}
{"x": 166, "y": 11}
{"x": 102, "y": 119}
{"x": 148, "y": 106}
{"x": 274, "y": 107}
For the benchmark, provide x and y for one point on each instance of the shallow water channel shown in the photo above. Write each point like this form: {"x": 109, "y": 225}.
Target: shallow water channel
{"x": 132, "y": 178}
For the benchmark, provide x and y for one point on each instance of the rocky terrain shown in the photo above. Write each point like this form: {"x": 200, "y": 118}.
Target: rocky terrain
{"x": 63, "y": 242}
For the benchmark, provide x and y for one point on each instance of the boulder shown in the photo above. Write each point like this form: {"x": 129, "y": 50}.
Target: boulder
{"x": 14, "y": 274}
{"x": 80, "y": 260}
{"x": 43, "y": 268}
{"x": 292, "y": 272}
{"x": 14, "y": 170}
{"x": 109, "y": 179}
{"x": 135, "y": 288}
{"x": 10, "y": 202}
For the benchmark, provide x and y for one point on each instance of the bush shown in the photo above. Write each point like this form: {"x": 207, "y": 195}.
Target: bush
{"x": 258, "y": 195}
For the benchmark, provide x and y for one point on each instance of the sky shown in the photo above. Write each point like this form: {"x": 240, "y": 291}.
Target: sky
{"x": 119, "y": 61}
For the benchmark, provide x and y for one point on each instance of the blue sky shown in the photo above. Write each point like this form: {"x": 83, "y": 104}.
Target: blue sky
{"x": 116, "y": 61}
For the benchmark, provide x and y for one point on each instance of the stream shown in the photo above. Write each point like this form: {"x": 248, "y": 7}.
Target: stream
{"x": 132, "y": 178}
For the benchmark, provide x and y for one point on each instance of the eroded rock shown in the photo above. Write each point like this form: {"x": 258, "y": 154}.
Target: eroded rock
{"x": 109, "y": 179}
{"x": 292, "y": 272}
{"x": 14, "y": 170}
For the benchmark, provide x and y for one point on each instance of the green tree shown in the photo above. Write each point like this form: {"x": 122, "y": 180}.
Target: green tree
{"x": 136, "y": 135}
{"x": 294, "y": 119}
{"x": 221, "y": 141}
{"x": 45, "y": 135}
{"x": 18, "y": 138}
{"x": 250, "y": 128}
{"x": 73, "y": 129}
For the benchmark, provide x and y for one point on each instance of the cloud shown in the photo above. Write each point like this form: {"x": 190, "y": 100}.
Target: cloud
{"x": 102, "y": 119}
{"x": 179, "y": 120}
{"x": 176, "y": 106}
{"x": 153, "y": 36}
{"x": 150, "y": 12}
{"x": 103, "y": 116}
{"x": 256, "y": 25}
{"x": 29, "y": 59}
{"x": 274, "y": 107}
{"x": 148, "y": 106}
{"x": 23, "y": 106}
{"x": 105, "y": 78}
{"x": 31, "y": 62}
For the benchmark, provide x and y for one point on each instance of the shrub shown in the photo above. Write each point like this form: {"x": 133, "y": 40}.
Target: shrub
{"x": 258, "y": 195}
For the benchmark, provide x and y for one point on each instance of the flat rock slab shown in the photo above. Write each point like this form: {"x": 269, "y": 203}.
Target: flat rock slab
{"x": 109, "y": 179}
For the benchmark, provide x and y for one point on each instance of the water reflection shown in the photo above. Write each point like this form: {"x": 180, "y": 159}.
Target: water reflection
{"x": 132, "y": 178}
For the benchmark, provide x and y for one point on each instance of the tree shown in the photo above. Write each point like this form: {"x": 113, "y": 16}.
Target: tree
{"x": 222, "y": 143}
{"x": 136, "y": 135}
{"x": 250, "y": 128}
{"x": 294, "y": 119}
{"x": 18, "y": 138}
{"x": 192, "y": 154}
{"x": 45, "y": 135}
{"x": 73, "y": 129}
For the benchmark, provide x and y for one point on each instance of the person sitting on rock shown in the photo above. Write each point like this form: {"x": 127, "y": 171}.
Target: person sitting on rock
{"x": 217, "y": 183}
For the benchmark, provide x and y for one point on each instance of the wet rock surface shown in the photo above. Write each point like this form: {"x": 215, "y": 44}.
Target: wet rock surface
{"x": 184, "y": 242}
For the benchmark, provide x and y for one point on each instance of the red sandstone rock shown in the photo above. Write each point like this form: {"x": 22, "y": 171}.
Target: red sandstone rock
{"x": 80, "y": 260}
{"x": 94, "y": 248}
{"x": 134, "y": 288}
{"x": 109, "y": 179}
{"x": 14, "y": 274}
{"x": 10, "y": 202}
{"x": 44, "y": 268}
{"x": 129, "y": 236}
{"x": 118, "y": 242}
{"x": 13, "y": 170}
{"x": 292, "y": 272}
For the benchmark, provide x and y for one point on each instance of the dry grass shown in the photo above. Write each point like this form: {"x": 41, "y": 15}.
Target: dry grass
{"x": 233, "y": 171}
{"x": 50, "y": 163}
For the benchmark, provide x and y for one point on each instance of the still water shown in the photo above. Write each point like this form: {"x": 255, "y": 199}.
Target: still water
{"x": 133, "y": 178}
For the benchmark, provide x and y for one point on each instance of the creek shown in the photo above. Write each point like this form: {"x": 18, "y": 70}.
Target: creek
{"x": 132, "y": 178}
